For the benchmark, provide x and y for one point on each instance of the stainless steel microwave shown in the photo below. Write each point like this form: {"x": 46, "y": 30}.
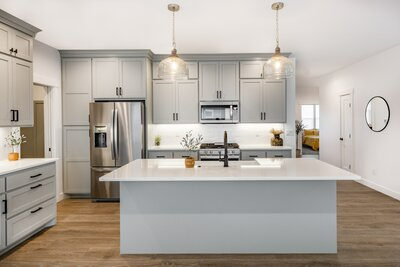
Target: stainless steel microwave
{"x": 219, "y": 112}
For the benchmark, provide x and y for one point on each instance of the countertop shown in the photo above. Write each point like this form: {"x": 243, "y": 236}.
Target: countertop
{"x": 7, "y": 166}
{"x": 143, "y": 170}
{"x": 242, "y": 147}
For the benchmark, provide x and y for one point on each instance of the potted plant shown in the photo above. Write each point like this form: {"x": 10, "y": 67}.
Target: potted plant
{"x": 190, "y": 144}
{"x": 157, "y": 140}
{"x": 299, "y": 128}
{"x": 276, "y": 140}
{"x": 14, "y": 139}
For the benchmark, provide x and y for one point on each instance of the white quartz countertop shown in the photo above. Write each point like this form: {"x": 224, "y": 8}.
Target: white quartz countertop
{"x": 263, "y": 169}
{"x": 7, "y": 166}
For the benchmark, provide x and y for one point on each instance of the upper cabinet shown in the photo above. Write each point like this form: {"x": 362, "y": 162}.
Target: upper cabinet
{"x": 193, "y": 68}
{"x": 16, "y": 43}
{"x": 251, "y": 69}
{"x": 175, "y": 101}
{"x": 16, "y": 83}
{"x": 119, "y": 78}
{"x": 219, "y": 81}
{"x": 263, "y": 101}
{"x": 77, "y": 88}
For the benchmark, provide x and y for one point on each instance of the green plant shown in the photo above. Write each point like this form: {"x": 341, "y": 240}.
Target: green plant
{"x": 299, "y": 126}
{"x": 14, "y": 139}
{"x": 191, "y": 143}
{"x": 157, "y": 140}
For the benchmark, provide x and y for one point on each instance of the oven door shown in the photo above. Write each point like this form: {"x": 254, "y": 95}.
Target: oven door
{"x": 215, "y": 112}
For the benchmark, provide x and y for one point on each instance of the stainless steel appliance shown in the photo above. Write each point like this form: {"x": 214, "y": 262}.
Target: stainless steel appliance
{"x": 216, "y": 151}
{"x": 117, "y": 137}
{"x": 219, "y": 112}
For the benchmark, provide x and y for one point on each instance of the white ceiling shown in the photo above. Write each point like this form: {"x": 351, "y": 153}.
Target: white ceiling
{"x": 323, "y": 35}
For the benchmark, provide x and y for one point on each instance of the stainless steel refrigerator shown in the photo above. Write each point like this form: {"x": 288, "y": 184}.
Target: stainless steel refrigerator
{"x": 117, "y": 137}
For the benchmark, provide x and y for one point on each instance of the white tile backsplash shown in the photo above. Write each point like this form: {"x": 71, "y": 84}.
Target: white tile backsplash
{"x": 242, "y": 133}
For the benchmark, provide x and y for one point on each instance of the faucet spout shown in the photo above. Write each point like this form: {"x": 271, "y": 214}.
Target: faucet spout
{"x": 226, "y": 161}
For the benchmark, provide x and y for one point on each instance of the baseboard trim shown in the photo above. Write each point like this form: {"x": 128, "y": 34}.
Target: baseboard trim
{"x": 380, "y": 188}
{"x": 61, "y": 196}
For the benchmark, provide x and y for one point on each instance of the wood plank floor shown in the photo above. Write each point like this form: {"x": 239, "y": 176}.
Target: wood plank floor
{"x": 87, "y": 234}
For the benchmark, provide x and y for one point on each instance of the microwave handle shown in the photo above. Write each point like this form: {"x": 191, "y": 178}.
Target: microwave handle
{"x": 231, "y": 112}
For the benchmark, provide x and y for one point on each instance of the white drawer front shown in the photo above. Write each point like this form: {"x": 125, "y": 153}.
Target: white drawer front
{"x": 28, "y": 176}
{"x": 29, "y": 196}
{"x": 30, "y": 220}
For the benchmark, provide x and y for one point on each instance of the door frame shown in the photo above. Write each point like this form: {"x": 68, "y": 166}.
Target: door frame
{"x": 350, "y": 94}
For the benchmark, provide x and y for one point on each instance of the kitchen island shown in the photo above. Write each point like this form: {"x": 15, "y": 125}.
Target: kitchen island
{"x": 262, "y": 206}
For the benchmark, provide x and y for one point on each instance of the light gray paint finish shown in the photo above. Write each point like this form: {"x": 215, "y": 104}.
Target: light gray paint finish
{"x": 18, "y": 24}
{"x": 228, "y": 217}
{"x": 137, "y": 53}
{"x": 274, "y": 98}
{"x": 251, "y": 102}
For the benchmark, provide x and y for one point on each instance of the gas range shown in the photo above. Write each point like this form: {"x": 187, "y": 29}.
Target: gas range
{"x": 216, "y": 151}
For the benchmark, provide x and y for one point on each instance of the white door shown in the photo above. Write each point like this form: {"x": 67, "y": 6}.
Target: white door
{"x": 250, "y": 101}
{"x": 164, "y": 102}
{"x": 23, "y": 45}
{"x": 274, "y": 96}
{"x": 5, "y": 90}
{"x": 251, "y": 69}
{"x": 22, "y": 92}
{"x": 229, "y": 80}
{"x": 132, "y": 77}
{"x": 209, "y": 82}
{"x": 187, "y": 102}
{"x": 105, "y": 78}
{"x": 346, "y": 131}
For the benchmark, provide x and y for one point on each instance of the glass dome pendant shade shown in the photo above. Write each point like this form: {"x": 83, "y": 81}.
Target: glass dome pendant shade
{"x": 278, "y": 66}
{"x": 173, "y": 67}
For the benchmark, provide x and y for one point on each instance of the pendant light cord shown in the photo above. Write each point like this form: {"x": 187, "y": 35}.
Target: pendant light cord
{"x": 277, "y": 28}
{"x": 173, "y": 30}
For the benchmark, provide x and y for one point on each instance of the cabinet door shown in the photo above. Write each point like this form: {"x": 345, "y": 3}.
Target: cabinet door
{"x": 185, "y": 154}
{"x": 77, "y": 87}
{"x": 274, "y": 98}
{"x": 164, "y": 101}
{"x": 5, "y": 89}
{"x": 23, "y": 45}
{"x": 76, "y": 160}
{"x": 251, "y": 69}
{"x": 193, "y": 68}
{"x": 132, "y": 77}
{"x": 22, "y": 92}
{"x": 105, "y": 78}
{"x": 209, "y": 81}
{"x": 2, "y": 222}
{"x": 229, "y": 80}
{"x": 5, "y": 38}
{"x": 251, "y": 101}
{"x": 160, "y": 154}
{"x": 187, "y": 102}
{"x": 279, "y": 154}
{"x": 251, "y": 155}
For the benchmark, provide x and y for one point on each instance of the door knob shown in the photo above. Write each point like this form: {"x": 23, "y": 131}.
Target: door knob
{"x": 341, "y": 139}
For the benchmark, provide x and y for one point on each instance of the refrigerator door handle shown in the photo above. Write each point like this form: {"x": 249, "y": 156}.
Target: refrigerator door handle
{"x": 116, "y": 135}
{"x": 112, "y": 135}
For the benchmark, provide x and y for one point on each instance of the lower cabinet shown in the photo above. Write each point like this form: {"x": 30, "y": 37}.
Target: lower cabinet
{"x": 176, "y": 154}
{"x": 28, "y": 203}
{"x": 252, "y": 154}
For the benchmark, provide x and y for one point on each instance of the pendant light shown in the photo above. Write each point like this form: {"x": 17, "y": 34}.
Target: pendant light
{"x": 173, "y": 67}
{"x": 278, "y": 66}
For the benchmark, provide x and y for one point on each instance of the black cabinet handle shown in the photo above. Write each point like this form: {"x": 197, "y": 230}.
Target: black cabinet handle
{"x": 177, "y": 118}
{"x": 17, "y": 111}
{"x": 341, "y": 139}
{"x": 120, "y": 91}
{"x": 261, "y": 116}
{"x": 16, "y": 51}
{"x": 36, "y": 186}
{"x": 159, "y": 157}
{"x": 116, "y": 90}
{"x": 253, "y": 156}
{"x": 5, "y": 206}
{"x": 173, "y": 116}
{"x": 36, "y": 175}
{"x": 11, "y": 50}
{"x": 278, "y": 156}
{"x": 264, "y": 115}
{"x": 13, "y": 115}
{"x": 36, "y": 210}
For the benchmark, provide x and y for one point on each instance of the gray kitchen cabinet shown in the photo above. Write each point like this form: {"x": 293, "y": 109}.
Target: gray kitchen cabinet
{"x": 16, "y": 90}
{"x": 186, "y": 154}
{"x": 268, "y": 153}
{"x": 193, "y": 69}
{"x": 161, "y": 154}
{"x": 16, "y": 43}
{"x": 77, "y": 90}
{"x": 279, "y": 154}
{"x": 119, "y": 78}
{"x": 262, "y": 101}
{"x": 251, "y": 69}
{"x": 176, "y": 154}
{"x": 175, "y": 101}
{"x": 219, "y": 81}
{"x": 250, "y": 155}
{"x": 2, "y": 220}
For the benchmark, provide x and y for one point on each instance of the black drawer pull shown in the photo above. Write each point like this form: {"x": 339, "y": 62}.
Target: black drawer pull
{"x": 278, "y": 156}
{"x": 5, "y": 206}
{"x": 37, "y": 175}
{"x": 253, "y": 156}
{"x": 159, "y": 157}
{"x": 36, "y": 186}
{"x": 36, "y": 210}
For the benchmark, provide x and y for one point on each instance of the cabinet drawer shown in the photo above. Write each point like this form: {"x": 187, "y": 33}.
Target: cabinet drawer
{"x": 279, "y": 154}
{"x": 185, "y": 154}
{"x": 28, "y": 176}
{"x": 250, "y": 155}
{"x": 27, "y": 222}
{"x": 160, "y": 155}
{"x": 29, "y": 196}
{"x": 2, "y": 185}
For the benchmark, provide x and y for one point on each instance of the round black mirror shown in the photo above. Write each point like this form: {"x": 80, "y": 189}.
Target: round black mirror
{"x": 377, "y": 114}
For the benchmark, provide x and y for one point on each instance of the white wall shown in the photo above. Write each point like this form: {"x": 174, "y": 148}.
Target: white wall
{"x": 47, "y": 71}
{"x": 306, "y": 96}
{"x": 375, "y": 154}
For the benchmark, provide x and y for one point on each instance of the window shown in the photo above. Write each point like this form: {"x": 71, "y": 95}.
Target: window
{"x": 310, "y": 116}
